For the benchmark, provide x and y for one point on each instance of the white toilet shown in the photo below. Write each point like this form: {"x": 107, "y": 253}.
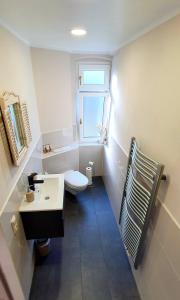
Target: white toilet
{"x": 75, "y": 181}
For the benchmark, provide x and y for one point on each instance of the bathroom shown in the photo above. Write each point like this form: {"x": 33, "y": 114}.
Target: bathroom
{"x": 43, "y": 66}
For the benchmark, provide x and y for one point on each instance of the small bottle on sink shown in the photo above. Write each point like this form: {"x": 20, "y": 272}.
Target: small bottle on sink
{"x": 29, "y": 195}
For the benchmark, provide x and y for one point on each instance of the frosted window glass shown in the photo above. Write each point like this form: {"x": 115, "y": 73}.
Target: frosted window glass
{"x": 92, "y": 115}
{"x": 93, "y": 77}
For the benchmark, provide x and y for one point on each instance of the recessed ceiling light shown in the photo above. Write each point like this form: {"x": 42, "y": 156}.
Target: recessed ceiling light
{"x": 78, "y": 31}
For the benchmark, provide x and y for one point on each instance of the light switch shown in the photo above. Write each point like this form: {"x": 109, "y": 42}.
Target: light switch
{"x": 14, "y": 224}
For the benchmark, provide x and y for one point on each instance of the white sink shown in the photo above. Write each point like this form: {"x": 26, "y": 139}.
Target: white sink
{"x": 48, "y": 195}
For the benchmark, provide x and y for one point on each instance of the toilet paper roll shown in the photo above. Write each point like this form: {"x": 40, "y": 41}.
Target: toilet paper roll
{"x": 89, "y": 175}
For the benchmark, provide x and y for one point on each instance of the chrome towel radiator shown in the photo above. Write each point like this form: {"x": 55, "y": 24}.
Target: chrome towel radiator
{"x": 139, "y": 195}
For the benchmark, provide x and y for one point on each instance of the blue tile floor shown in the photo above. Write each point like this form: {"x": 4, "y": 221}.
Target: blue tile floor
{"x": 89, "y": 263}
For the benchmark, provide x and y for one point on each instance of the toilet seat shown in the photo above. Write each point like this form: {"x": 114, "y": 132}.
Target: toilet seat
{"x": 75, "y": 180}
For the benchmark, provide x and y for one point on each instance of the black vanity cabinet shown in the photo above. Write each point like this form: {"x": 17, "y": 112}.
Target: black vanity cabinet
{"x": 43, "y": 217}
{"x": 43, "y": 224}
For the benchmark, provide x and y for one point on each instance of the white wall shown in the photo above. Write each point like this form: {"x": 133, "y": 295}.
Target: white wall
{"x": 9, "y": 283}
{"x": 146, "y": 93}
{"x": 52, "y": 74}
{"x": 21, "y": 250}
{"x": 91, "y": 152}
{"x": 16, "y": 75}
{"x": 56, "y": 81}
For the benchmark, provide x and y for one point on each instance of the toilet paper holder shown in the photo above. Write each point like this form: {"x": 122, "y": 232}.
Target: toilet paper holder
{"x": 90, "y": 172}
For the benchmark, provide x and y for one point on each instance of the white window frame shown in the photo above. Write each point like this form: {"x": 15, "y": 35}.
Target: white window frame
{"x": 81, "y": 121}
{"x": 96, "y": 90}
{"x": 94, "y": 87}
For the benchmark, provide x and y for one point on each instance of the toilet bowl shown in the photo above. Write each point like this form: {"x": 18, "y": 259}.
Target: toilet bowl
{"x": 75, "y": 181}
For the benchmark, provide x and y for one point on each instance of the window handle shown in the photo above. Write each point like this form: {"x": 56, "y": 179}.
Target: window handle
{"x": 80, "y": 121}
{"x": 80, "y": 80}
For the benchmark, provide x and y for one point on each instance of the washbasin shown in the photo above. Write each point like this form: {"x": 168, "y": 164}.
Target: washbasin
{"x": 48, "y": 195}
{"x": 49, "y": 190}
{"x": 43, "y": 217}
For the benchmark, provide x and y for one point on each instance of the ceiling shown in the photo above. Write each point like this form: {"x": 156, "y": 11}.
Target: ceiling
{"x": 110, "y": 23}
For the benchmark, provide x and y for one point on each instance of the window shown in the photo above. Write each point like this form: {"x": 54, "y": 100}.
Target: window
{"x": 94, "y": 78}
{"x": 94, "y": 97}
{"x": 92, "y": 112}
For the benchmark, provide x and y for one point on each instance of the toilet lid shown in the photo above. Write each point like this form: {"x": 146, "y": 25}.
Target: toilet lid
{"x": 75, "y": 179}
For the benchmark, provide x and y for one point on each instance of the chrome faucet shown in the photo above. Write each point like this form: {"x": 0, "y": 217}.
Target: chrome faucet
{"x": 33, "y": 181}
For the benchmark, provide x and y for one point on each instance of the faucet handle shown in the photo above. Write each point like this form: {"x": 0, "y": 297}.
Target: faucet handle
{"x": 33, "y": 174}
{"x": 31, "y": 180}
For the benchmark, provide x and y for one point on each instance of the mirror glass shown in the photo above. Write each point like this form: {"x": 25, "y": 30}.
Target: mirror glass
{"x": 13, "y": 111}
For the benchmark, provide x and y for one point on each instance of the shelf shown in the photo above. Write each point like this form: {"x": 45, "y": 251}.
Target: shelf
{"x": 58, "y": 151}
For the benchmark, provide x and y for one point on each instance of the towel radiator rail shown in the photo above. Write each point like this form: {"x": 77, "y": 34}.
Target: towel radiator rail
{"x": 140, "y": 190}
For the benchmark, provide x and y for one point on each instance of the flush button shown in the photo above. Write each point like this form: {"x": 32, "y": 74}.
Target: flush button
{"x": 47, "y": 198}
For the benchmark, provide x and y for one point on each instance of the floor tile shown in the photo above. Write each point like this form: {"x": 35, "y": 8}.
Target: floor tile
{"x": 89, "y": 263}
{"x": 95, "y": 284}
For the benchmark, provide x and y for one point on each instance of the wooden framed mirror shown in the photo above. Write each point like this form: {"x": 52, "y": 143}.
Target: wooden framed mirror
{"x": 16, "y": 121}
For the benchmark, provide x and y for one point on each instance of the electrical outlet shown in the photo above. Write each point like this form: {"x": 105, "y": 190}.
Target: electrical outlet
{"x": 14, "y": 224}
